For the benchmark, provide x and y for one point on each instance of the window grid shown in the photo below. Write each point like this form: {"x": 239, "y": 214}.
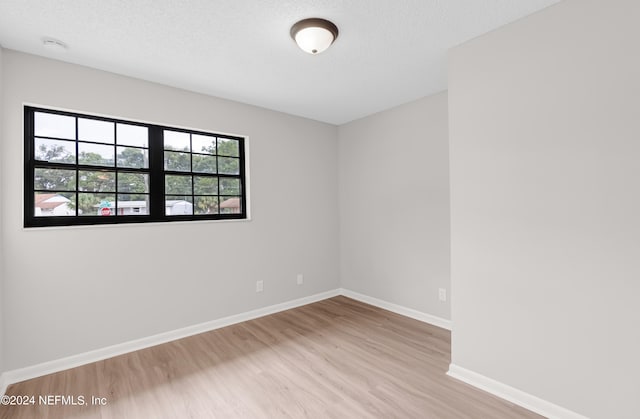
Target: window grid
{"x": 119, "y": 190}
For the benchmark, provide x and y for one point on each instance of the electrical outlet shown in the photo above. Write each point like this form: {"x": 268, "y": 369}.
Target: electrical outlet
{"x": 259, "y": 286}
{"x": 300, "y": 279}
{"x": 442, "y": 294}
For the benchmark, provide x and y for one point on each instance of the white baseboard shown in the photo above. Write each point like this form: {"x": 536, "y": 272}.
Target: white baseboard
{"x": 3, "y": 384}
{"x": 395, "y": 308}
{"x": 49, "y": 367}
{"x": 526, "y": 400}
{"x": 21, "y": 374}
{"x": 519, "y": 397}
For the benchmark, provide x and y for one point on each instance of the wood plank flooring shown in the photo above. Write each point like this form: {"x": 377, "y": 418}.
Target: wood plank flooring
{"x": 337, "y": 358}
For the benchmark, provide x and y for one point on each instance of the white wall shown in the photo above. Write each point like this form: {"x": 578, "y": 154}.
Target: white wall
{"x": 2, "y": 136}
{"x": 394, "y": 205}
{"x": 70, "y": 290}
{"x": 545, "y": 181}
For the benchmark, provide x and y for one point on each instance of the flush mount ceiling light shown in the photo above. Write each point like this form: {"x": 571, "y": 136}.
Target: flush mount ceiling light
{"x": 314, "y": 35}
{"x": 54, "y": 45}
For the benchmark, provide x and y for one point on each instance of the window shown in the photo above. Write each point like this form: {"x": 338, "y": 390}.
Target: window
{"x": 82, "y": 169}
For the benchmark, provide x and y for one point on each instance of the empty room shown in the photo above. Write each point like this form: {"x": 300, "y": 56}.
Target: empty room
{"x": 320, "y": 209}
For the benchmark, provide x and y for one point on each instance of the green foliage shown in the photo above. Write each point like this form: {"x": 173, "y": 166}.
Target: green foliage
{"x": 206, "y": 205}
{"x": 133, "y": 182}
{"x": 88, "y": 204}
{"x": 132, "y": 157}
{"x": 228, "y": 148}
{"x": 54, "y": 153}
{"x": 230, "y": 186}
{"x": 204, "y": 164}
{"x": 177, "y": 161}
{"x": 55, "y": 179}
{"x": 96, "y": 186}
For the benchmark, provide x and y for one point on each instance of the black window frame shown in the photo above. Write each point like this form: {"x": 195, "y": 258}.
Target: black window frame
{"x": 156, "y": 171}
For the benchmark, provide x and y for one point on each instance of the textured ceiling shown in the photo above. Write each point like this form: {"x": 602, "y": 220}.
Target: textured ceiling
{"x": 387, "y": 53}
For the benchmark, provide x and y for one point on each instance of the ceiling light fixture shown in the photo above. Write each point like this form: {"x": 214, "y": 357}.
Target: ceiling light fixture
{"x": 54, "y": 45}
{"x": 314, "y": 35}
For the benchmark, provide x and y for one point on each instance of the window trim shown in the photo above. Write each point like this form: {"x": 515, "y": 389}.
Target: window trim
{"x": 156, "y": 173}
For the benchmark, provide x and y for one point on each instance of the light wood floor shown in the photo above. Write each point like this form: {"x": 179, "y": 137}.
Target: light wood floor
{"x": 337, "y": 358}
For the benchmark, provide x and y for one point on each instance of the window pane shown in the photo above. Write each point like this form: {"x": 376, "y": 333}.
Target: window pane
{"x": 132, "y": 204}
{"x": 96, "y": 181}
{"x": 206, "y": 205}
{"x": 177, "y": 161}
{"x": 92, "y": 204}
{"x": 230, "y": 205}
{"x": 55, "y": 179}
{"x": 204, "y": 164}
{"x": 178, "y": 205}
{"x": 205, "y": 185}
{"x": 96, "y": 154}
{"x": 95, "y": 130}
{"x": 57, "y": 151}
{"x": 54, "y": 204}
{"x": 228, "y": 166}
{"x": 133, "y": 182}
{"x": 132, "y": 135}
{"x": 203, "y": 144}
{"x": 93, "y": 167}
{"x": 178, "y": 141}
{"x": 177, "y": 185}
{"x": 133, "y": 157}
{"x": 52, "y": 125}
{"x": 229, "y": 186}
{"x": 228, "y": 147}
